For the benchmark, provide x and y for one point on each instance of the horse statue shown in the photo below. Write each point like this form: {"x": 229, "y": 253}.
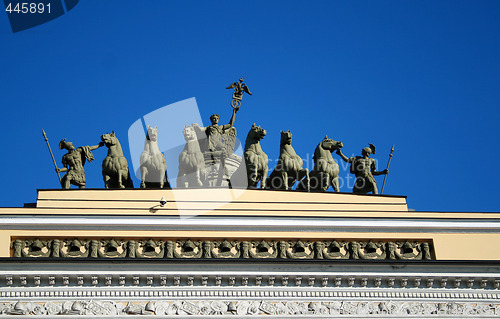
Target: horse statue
{"x": 115, "y": 167}
{"x": 191, "y": 161}
{"x": 326, "y": 170}
{"x": 152, "y": 162}
{"x": 255, "y": 159}
{"x": 289, "y": 168}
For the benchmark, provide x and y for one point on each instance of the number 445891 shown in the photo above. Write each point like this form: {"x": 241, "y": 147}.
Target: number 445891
{"x": 28, "y": 8}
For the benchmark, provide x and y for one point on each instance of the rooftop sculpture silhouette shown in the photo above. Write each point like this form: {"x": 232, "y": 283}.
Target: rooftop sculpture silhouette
{"x": 208, "y": 160}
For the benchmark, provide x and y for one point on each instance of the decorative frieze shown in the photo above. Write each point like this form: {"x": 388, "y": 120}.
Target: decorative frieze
{"x": 277, "y": 280}
{"x": 187, "y": 248}
{"x": 255, "y": 307}
{"x": 417, "y": 281}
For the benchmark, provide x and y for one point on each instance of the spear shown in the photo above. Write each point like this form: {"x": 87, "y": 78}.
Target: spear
{"x": 50, "y": 150}
{"x": 388, "y": 163}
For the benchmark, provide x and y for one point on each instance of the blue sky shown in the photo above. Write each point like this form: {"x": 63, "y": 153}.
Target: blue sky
{"x": 423, "y": 75}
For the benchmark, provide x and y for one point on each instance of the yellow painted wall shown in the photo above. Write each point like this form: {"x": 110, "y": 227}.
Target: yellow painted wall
{"x": 258, "y": 203}
{"x": 446, "y": 246}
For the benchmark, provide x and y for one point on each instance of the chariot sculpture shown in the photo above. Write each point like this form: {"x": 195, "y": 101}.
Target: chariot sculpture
{"x": 208, "y": 160}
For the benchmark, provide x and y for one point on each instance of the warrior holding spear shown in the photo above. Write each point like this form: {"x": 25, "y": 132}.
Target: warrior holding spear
{"x": 73, "y": 162}
{"x": 364, "y": 168}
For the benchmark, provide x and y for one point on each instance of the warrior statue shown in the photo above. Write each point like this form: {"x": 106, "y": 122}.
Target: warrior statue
{"x": 364, "y": 168}
{"x": 73, "y": 162}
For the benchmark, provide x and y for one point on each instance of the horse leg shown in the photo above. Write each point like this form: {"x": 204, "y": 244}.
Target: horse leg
{"x": 162, "y": 178}
{"x": 294, "y": 177}
{"x": 308, "y": 179}
{"x": 284, "y": 178}
{"x": 335, "y": 183}
{"x": 198, "y": 178}
{"x": 269, "y": 182}
{"x": 252, "y": 176}
{"x": 276, "y": 180}
{"x": 163, "y": 172}
{"x": 325, "y": 182}
{"x": 144, "y": 172}
{"x": 264, "y": 176}
{"x": 311, "y": 183}
{"x": 303, "y": 183}
{"x": 303, "y": 175}
{"x": 106, "y": 180}
{"x": 120, "y": 178}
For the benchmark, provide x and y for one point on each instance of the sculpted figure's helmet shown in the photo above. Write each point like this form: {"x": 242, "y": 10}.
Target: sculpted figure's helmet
{"x": 370, "y": 150}
{"x": 63, "y": 144}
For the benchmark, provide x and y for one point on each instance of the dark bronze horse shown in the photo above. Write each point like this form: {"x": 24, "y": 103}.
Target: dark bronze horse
{"x": 289, "y": 168}
{"x": 326, "y": 170}
{"x": 115, "y": 167}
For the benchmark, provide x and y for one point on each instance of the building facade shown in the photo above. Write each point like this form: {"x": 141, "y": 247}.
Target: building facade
{"x": 227, "y": 252}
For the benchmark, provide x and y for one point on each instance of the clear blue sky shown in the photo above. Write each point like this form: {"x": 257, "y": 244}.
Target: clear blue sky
{"x": 423, "y": 75}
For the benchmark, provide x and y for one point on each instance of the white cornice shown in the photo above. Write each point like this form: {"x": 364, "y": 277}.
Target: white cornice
{"x": 276, "y": 224}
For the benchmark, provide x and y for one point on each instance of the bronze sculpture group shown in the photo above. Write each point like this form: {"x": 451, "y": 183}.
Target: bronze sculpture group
{"x": 208, "y": 160}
